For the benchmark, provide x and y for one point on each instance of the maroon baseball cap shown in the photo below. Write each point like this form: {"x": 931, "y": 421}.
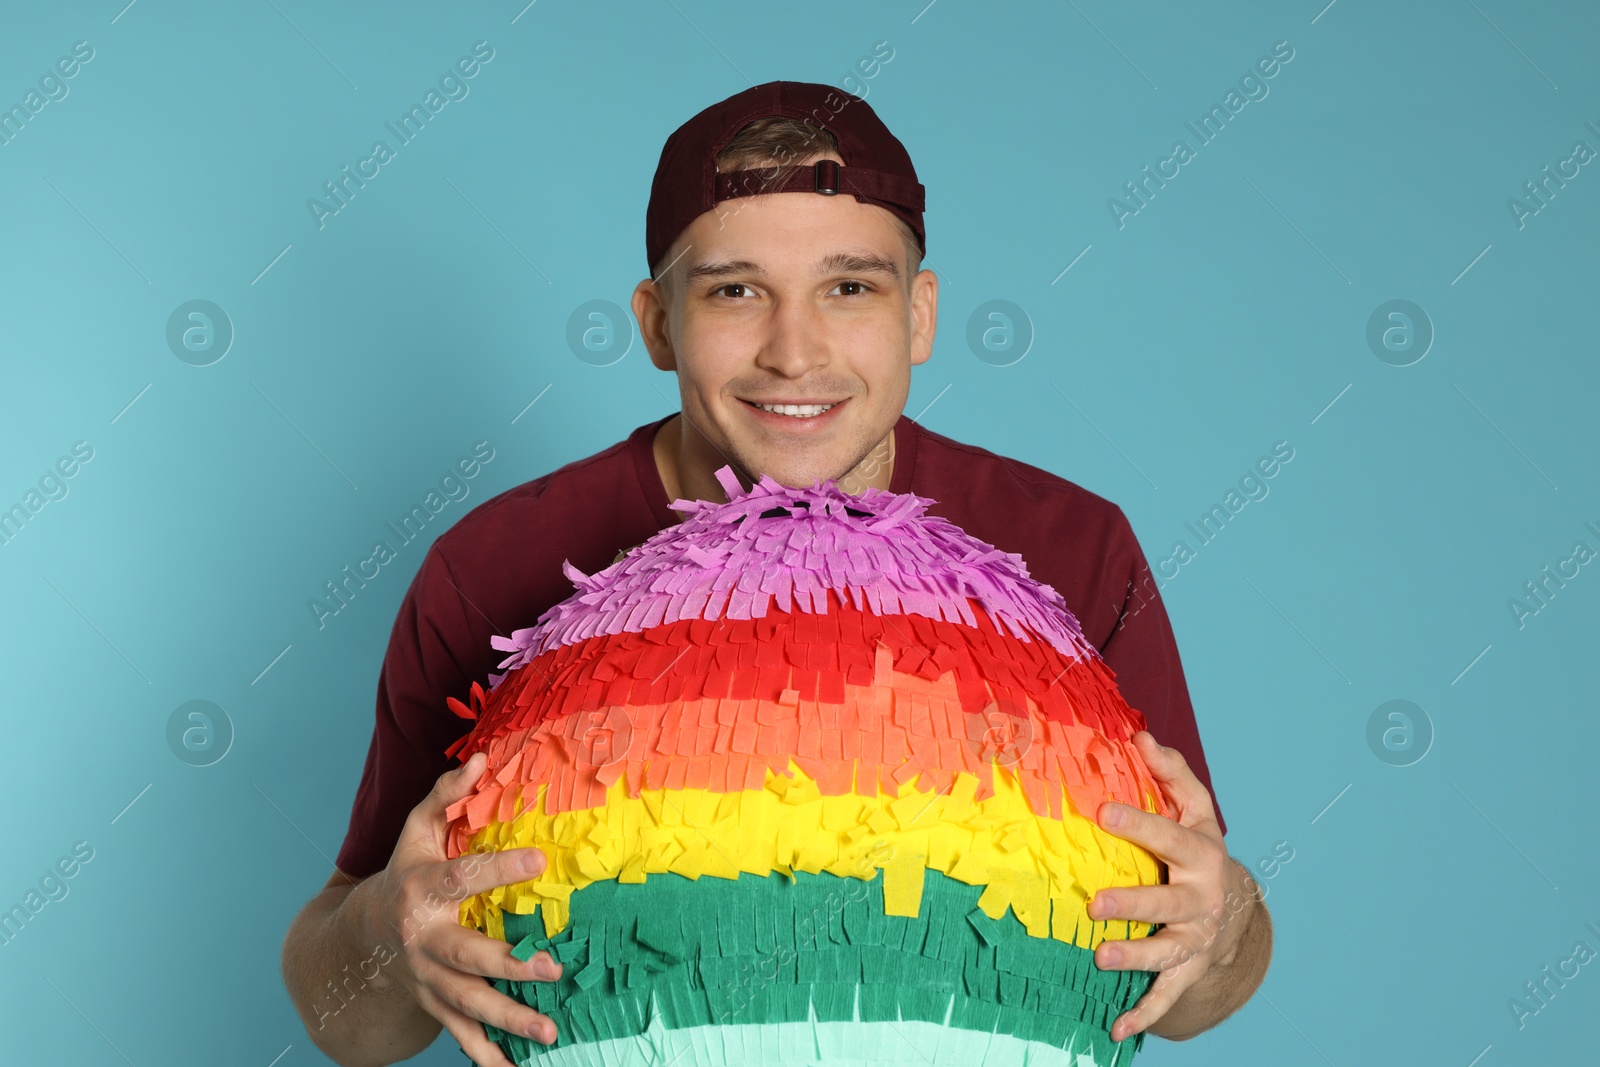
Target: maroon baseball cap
{"x": 877, "y": 169}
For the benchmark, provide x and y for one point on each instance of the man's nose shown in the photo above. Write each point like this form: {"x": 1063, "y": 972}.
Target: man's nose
{"x": 796, "y": 339}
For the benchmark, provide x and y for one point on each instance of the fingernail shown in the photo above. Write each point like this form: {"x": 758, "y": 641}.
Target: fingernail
{"x": 530, "y": 862}
{"x": 1113, "y": 815}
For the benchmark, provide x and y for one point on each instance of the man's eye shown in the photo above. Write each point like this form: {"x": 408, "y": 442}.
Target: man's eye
{"x": 723, "y": 290}
{"x": 859, "y": 288}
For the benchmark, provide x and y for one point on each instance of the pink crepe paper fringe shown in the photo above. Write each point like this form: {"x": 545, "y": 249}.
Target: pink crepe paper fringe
{"x": 726, "y": 561}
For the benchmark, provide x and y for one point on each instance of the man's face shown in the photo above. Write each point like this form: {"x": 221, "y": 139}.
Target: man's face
{"x": 790, "y": 298}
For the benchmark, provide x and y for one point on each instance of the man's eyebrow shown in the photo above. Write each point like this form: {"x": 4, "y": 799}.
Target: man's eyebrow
{"x": 836, "y": 263}
{"x": 720, "y": 269}
{"x": 859, "y": 263}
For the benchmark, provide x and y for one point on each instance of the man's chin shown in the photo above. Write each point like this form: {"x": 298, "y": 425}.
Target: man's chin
{"x": 799, "y": 481}
{"x": 798, "y": 468}
{"x": 805, "y": 476}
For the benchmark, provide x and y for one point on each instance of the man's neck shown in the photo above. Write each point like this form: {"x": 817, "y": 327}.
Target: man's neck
{"x": 687, "y": 464}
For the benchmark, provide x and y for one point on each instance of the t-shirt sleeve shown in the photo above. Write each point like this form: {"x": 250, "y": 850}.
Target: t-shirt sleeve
{"x": 434, "y": 634}
{"x": 1143, "y": 652}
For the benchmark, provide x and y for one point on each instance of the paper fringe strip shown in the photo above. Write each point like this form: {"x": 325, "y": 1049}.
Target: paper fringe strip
{"x": 908, "y": 1042}
{"x": 1045, "y": 870}
{"x": 848, "y": 696}
{"x": 723, "y": 561}
{"x": 762, "y": 971}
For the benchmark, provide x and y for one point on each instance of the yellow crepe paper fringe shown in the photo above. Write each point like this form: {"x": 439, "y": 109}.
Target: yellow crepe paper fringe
{"x": 1045, "y": 870}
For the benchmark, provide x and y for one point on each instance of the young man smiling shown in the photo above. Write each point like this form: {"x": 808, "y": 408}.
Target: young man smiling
{"x": 792, "y": 323}
{"x": 785, "y": 237}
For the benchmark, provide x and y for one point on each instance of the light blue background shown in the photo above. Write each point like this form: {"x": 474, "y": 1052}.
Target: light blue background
{"x": 1228, "y": 314}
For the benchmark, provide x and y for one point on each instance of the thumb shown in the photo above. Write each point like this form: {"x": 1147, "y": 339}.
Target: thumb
{"x": 1178, "y": 782}
{"x": 452, "y": 786}
{"x": 1165, "y": 763}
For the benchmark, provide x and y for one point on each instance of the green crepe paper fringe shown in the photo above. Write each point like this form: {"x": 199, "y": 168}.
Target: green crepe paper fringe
{"x": 769, "y": 970}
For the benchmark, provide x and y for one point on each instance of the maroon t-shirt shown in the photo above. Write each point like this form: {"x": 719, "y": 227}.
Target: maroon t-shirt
{"x": 499, "y": 569}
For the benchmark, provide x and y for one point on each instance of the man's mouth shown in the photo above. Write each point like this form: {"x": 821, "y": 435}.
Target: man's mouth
{"x": 796, "y": 411}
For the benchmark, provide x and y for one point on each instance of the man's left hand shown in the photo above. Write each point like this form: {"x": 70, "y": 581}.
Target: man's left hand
{"x": 1204, "y": 906}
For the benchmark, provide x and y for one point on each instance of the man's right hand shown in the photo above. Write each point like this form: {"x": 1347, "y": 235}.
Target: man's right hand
{"x": 415, "y": 901}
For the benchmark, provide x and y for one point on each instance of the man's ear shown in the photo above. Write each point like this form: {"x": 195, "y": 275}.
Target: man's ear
{"x": 650, "y": 309}
{"x": 924, "y": 314}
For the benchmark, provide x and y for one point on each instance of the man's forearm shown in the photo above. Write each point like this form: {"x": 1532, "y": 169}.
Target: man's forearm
{"x": 353, "y": 1008}
{"x": 1231, "y": 981}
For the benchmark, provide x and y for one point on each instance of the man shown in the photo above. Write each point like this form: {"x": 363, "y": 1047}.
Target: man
{"x": 785, "y": 237}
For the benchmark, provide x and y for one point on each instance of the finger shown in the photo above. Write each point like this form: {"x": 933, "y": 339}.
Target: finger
{"x": 480, "y": 1002}
{"x": 1172, "y": 771}
{"x": 427, "y": 818}
{"x": 1173, "y": 842}
{"x": 1147, "y": 904}
{"x": 469, "y": 1034}
{"x": 452, "y": 785}
{"x": 1156, "y": 1002}
{"x": 479, "y": 872}
{"x": 1163, "y": 951}
{"x": 471, "y": 952}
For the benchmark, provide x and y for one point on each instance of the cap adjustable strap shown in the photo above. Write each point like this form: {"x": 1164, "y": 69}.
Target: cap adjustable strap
{"x": 825, "y": 176}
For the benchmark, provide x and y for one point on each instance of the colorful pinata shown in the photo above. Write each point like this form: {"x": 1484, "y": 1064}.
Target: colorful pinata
{"x": 816, "y": 775}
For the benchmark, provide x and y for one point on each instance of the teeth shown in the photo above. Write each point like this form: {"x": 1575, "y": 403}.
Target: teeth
{"x": 804, "y": 411}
